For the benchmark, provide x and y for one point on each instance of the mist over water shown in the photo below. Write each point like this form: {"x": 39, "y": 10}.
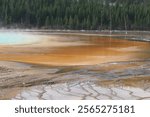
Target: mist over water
{"x": 14, "y": 38}
{"x": 69, "y": 49}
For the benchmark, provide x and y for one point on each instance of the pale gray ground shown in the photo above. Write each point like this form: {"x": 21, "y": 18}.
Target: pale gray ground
{"x": 120, "y": 80}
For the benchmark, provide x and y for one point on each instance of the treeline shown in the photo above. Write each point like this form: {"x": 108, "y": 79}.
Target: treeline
{"x": 76, "y": 14}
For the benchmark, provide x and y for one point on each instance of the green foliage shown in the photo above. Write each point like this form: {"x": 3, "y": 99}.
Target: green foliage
{"x": 76, "y": 14}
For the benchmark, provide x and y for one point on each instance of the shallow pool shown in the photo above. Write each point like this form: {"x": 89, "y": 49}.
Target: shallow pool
{"x": 13, "y": 38}
{"x": 69, "y": 49}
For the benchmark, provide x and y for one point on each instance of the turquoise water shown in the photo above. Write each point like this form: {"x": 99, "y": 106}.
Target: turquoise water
{"x": 12, "y": 38}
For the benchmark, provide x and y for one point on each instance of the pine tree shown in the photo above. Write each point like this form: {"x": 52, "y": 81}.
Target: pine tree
{"x": 47, "y": 22}
{"x": 76, "y": 14}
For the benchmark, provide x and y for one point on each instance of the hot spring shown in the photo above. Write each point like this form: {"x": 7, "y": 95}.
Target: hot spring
{"x": 15, "y": 38}
{"x": 63, "y": 49}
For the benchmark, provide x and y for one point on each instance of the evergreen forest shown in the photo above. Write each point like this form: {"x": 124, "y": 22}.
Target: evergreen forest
{"x": 76, "y": 14}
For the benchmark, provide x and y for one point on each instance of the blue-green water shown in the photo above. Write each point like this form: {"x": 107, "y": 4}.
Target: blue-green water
{"x": 11, "y": 38}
